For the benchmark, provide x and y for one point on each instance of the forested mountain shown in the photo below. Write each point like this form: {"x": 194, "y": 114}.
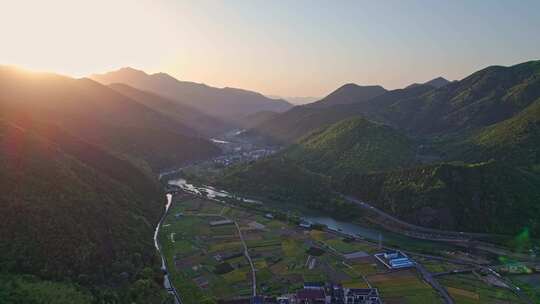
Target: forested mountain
{"x": 348, "y": 94}
{"x": 70, "y": 211}
{"x": 438, "y": 82}
{"x": 301, "y": 120}
{"x": 200, "y": 123}
{"x": 280, "y": 179}
{"x": 78, "y": 193}
{"x": 481, "y": 99}
{"x": 515, "y": 141}
{"x": 218, "y": 102}
{"x": 353, "y": 145}
{"x": 101, "y": 116}
{"x": 486, "y": 97}
{"x": 482, "y": 197}
{"x": 482, "y": 130}
{"x": 435, "y": 82}
{"x": 288, "y": 127}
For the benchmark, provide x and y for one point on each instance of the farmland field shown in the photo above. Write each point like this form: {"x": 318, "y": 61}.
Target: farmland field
{"x": 206, "y": 259}
{"x": 467, "y": 288}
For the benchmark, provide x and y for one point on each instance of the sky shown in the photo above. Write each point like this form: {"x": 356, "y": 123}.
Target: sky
{"x": 284, "y": 48}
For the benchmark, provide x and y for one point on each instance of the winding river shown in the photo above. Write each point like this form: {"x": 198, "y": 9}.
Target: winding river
{"x": 331, "y": 223}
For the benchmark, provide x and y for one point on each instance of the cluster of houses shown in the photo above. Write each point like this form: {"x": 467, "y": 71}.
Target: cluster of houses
{"x": 238, "y": 155}
{"x": 318, "y": 293}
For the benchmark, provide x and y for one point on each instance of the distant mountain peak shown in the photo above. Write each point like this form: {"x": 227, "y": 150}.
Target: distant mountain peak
{"x": 131, "y": 70}
{"x": 350, "y": 93}
{"x": 437, "y": 82}
{"x": 354, "y": 85}
{"x": 219, "y": 102}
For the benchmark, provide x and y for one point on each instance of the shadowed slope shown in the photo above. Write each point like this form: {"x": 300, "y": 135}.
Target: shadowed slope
{"x": 224, "y": 103}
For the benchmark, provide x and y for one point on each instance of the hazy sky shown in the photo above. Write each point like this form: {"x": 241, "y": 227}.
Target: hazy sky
{"x": 288, "y": 48}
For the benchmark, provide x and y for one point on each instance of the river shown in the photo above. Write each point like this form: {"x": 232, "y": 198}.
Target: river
{"x": 210, "y": 191}
{"x": 331, "y": 223}
{"x": 343, "y": 227}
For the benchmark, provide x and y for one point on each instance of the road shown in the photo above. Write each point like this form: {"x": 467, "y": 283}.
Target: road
{"x": 166, "y": 282}
{"x": 434, "y": 283}
{"x": 456, "y": 237}
{"x": 432, "y": 234}
{"x": 246, "y": 251}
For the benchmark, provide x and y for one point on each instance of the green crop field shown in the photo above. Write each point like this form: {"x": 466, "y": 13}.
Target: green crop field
{"x": 467, "y": 288}
{"x": 207, "y": 263}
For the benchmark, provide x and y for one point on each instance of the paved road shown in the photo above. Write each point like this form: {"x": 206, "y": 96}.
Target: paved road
{"x": 434, "y": 234}
{"x": 434, "y": 283}
{"x": 455, "y": 271}
{"x": 443, "y": 235}
{"x": 166, "y": 283}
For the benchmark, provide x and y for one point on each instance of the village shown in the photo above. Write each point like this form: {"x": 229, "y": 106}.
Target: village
{"x": 237, "y": 255}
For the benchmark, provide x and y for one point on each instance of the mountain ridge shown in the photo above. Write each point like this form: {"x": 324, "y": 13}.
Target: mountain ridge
{"x": 218, "y": 102}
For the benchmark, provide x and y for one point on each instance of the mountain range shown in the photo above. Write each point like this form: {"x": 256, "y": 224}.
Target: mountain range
{"x": 434, "y": 156}
{"x": 79, "y": 195}
{"x": 481, "y": 99}
{"x": 437, "y": 82}
{"x": 219, "y": 102}
{"x": 79, "y": 160}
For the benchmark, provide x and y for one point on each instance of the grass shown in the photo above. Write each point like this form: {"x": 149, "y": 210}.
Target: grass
{"x": 346, "y": 247}
{"x": 405, "y": 285}
{"x": 469, "y": 289}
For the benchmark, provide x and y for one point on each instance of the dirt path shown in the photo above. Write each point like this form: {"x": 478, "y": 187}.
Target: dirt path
{"x": 246, "y": 251}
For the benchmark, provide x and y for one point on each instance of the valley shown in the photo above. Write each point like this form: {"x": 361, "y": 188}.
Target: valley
{"x": 270, "y": 152}
{"x": 451, "y": 266}
{"x": 142, "y": 188}
{"x": 346, "y": 254}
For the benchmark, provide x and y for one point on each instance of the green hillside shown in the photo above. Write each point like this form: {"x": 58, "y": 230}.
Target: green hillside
{"x": 31, "y": 290}
{"x": 353, "y": 145}
{"x": 350, "y": 94}
{"x": 487, "y": 123}
{"x": 278, "y": 178}
{"x": 485, "y": 97}
{"x": 281, "y": 180}
{"x": 70, "y": 211}
{"x": 298, "y": 122}
{"x": 290, "y": 126}
{"x": 516, "y": 140}
{"x": 78, "y": 193}
{"x": 484, "y": 197}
